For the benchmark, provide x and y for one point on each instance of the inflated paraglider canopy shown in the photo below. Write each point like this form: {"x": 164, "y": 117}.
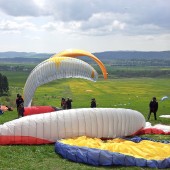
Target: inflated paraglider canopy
{"x": 79, "y": 53}
{"x": 56, "y": 68}
{"x": 52, "y": 126}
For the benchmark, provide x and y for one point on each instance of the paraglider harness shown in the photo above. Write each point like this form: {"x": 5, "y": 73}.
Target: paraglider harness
{"x": 1, "y": 112}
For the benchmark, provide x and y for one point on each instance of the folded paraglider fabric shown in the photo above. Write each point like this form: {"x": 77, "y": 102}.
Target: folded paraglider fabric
{"x": 164, "y": 98}
{"x": 165, "y": 116}
{"x": 156, "y": 129}
{"x": 38, "y": 110}
{"x": 122, "y": 152}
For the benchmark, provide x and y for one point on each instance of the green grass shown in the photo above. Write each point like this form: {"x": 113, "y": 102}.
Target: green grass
{"x": 133, "y": 93}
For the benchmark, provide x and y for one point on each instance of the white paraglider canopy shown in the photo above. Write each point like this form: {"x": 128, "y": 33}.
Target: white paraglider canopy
{"x": 49, "y": 127}
{"x": 164, "y": 98}
{"x": 56, "y": 68}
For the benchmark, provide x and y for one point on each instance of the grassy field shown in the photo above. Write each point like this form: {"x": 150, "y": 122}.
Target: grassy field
{"x": 133, "y": 93}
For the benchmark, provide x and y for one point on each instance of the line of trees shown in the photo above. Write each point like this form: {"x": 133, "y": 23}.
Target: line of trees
{"x": 4, "y": 86}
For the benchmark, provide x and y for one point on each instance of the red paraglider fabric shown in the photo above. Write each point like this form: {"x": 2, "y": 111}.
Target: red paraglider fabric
{"x": 37, "y": 110}
{"x": 156, "y": 129}
{"x": 22, "y": 140}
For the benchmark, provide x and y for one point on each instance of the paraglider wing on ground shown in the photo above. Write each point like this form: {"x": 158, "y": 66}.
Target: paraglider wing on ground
{"x": 49, "y": 127}
{"x": 164, "y": 98}
{"x": 39, "y": 109}
{"x": 136, "y": 151}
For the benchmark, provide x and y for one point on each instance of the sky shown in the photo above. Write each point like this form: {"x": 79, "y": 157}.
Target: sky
{"x": 51, "y": 26}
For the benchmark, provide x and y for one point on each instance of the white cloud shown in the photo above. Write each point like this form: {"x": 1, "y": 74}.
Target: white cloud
{"x": 78, "y": 22}
{"x": 20, "y": 8}
{"x": 32, "y": 37}
{"x": 117, "y": 24}
{"x": 7, "y": 25}
{"x": 101, "y": 24}
{"x": 70, "y": 27}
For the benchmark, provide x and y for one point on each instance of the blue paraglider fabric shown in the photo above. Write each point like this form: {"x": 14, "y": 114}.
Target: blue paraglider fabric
{"x": 97, "y": 157}
{"x": 138, "y": 139}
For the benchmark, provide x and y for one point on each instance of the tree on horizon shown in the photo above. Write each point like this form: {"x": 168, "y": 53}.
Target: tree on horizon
{"x": 4, "y": 86}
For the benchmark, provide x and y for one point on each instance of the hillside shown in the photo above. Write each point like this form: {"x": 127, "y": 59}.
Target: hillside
{"x": 117, "y": 58}
{"x": 14, "y": 54}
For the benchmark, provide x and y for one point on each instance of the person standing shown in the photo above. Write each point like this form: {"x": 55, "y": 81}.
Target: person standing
{"x": 153, "y": 107}
{"x": 21, "y": 110}
{"x": 63, "y": 103}
{"x": 69, "y": 103}
{"x": 93, "y": 103}
{"x": 19, "y": 101}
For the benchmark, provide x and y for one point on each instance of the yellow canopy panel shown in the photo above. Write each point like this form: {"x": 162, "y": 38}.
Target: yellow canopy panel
{"x": 145, "y": 149}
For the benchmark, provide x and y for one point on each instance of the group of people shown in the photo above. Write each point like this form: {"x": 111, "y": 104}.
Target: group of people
{"x": 66, "y": 103}
{"x": 153, "y": 107}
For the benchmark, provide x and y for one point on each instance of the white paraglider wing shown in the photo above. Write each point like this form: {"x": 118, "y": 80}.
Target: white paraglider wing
{"x": 49, "y": 127}
{"x": 56, "y": 68}
{"x": 164, "y": 98}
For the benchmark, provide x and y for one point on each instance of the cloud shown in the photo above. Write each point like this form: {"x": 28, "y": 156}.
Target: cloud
{"x": 153, "y": 12}
{"x": 102, "y": 24}
{"x": 11, "y": 26}
{"x": 21, "y": 8}
{"x": 117, "y": 24}
{"x": 98, "y": 24}
{"x": 88, "y": 21}
{"x": 138, "y": 12}
{"x": 32, "y": 37}
{"x": 69, "y": 27}
{"x": 67, "y": 11}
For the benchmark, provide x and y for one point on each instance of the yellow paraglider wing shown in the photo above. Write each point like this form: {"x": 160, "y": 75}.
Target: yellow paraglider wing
{"x": 78, "y": 53}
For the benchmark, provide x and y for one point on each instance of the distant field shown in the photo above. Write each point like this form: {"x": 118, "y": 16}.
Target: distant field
{"x": 133, "y": 93}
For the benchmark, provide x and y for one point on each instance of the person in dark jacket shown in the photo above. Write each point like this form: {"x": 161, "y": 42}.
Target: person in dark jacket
{"x": 21, "y": 110}
{"x": 63, "y": 103}
{"x": 93, "y": 103}
{"x": 69, "y": 103}
{"x": 153, "y": 107}
{"x": 19, "y": 101}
